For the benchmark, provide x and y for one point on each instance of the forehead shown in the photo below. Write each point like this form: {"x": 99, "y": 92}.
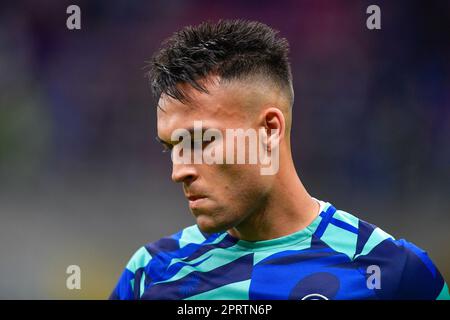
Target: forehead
{"x": 222, "y": 106}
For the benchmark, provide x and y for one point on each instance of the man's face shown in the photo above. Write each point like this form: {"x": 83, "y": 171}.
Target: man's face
{"x": 221, "y": 196}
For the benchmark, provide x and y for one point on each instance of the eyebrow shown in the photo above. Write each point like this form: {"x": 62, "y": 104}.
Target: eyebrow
{"x": 163, "y": 142}
{"x": 170, "y": 144}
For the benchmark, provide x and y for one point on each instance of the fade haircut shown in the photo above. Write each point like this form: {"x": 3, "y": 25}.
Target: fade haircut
{"x": 230, "y": 49}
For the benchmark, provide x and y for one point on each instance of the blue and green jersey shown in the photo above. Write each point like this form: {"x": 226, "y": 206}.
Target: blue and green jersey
{"x": 338, "y": 256}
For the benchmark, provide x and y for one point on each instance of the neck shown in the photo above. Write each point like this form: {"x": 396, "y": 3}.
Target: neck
{"x": 289, "y": 208}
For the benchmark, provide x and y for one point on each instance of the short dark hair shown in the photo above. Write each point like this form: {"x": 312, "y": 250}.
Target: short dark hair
{"x": 231, "y": 49}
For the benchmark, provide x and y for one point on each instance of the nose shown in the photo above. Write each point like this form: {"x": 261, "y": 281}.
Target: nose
{"x": 183, "y": 173}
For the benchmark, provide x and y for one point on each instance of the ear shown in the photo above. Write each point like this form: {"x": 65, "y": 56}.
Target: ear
{"x": 274, "y": 122}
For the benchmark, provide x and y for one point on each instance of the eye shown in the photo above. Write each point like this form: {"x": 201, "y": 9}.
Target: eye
{"x": 200, "y": 144}
{"x": 213, "y": 139}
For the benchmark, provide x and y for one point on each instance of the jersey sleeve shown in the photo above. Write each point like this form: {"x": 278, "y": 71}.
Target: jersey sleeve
{"x": 420, "y": 279}
{"x": 130, "y": 286}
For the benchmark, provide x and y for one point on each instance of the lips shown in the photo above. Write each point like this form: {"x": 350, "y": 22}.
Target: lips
{"x": 196, "y": 201}
{"x": 195, "y": 197}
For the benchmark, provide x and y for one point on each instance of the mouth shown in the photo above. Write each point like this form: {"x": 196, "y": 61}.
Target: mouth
{"x": 195, "y": 200}
{"x": 195, "y": 197}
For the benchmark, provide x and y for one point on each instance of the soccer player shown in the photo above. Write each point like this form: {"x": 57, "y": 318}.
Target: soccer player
{"x": 257, "y": 236}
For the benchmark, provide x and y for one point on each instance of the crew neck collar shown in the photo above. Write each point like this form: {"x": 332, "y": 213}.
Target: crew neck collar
{"x": 287, "y": 240}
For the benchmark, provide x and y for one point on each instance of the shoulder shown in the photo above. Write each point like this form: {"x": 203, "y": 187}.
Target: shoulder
{"x": 167, "y": 245}
{"x": 406, "y": 270}
{"x": 149, "y": 258}
{"x": 347, "y": 234}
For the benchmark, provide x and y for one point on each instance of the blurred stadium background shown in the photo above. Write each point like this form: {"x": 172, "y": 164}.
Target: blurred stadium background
{"x": 83, "y": 181}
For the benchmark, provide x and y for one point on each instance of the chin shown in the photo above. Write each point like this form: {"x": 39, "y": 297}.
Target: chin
{"x": 208, "y": 225}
